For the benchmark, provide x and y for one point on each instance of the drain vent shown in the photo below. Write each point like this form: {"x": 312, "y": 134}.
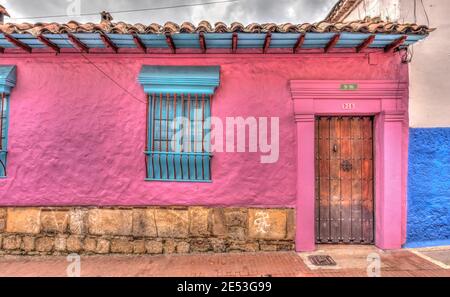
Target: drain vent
{"x": 321, "y": 260}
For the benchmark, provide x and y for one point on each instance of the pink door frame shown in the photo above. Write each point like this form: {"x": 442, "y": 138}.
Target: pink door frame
{"x": 388, "y": 102}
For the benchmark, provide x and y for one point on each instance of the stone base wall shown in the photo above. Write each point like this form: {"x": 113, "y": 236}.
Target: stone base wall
{"x": 150, "y": 230}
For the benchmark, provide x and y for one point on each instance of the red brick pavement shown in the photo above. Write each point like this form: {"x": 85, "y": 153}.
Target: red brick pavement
{"x": 397, "y": 263}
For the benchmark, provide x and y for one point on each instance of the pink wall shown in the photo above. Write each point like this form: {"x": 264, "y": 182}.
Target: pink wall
{"x": 76, "y": 138}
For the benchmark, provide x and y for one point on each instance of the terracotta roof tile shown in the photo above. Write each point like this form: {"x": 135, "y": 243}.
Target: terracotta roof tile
{"x": 367, "y": 25}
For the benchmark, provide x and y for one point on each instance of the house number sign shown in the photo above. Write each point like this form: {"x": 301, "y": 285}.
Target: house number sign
{"x": 348, "y": 106}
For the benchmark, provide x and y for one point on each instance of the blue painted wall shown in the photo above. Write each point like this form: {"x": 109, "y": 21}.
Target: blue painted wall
{"x": 429, "y": 187}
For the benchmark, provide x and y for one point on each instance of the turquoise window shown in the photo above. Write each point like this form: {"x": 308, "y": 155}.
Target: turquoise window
{"x": 7, "y": 82}
{"x": 178, "y": 121}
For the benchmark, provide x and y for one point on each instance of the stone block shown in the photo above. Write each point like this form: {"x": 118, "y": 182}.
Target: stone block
{"x": 219, "y": 228}
{"x": 23, "y": 220}
{"x": 2, "y": 213}
{"x": 144, "y": 223}
{"x": 183, "y": 247}
{"x": 199, "y": 221}
{"x": 218, "y": 245}
{"x": 237, "y": 233}
{"x": 78, "y": 221}
{"x": 200, "y": 245}
{"x": 285, "y": 246}
{"x": 139, "y": 247}
{"x": 44, "y": 244}
{"x": 89, "y": 244}
{"x": 243, "y": 247}
{"x": 269, "y": 224}
{"x": 153, "y": 247}
{"x": 60, "y": 243}
{"x": 236, "y": 217}
{"x": 74, "y": 243}
{"x": 169, "y": 246}
{"x": 172, "y": 223}
{"x": 110, "y": 221}
{"x": 268, "y": 247}
{"x": 121, "y": 246}
{"x": 2, "y": 220}
{"x": 11, "y": 242}
{"x": 290, "y": 224}
{"x": 28, "y": 243}
{"x": 103, "y": 246}
{"x": 54, "y": 221}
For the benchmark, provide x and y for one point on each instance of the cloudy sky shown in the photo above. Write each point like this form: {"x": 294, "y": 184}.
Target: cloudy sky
{"x": 244, "y": 11}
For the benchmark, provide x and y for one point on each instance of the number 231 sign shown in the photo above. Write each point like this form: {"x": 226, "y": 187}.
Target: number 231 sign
{"x": 348, "y": 106}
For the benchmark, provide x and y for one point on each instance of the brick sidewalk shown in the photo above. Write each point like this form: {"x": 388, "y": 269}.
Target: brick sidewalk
{"x": 350, "y": 263}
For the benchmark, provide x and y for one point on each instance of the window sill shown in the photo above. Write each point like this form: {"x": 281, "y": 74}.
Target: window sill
{"x": 179, "y": 180}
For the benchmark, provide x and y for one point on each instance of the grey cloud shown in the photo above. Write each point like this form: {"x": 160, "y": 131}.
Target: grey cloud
{"x": 244, "y": 11}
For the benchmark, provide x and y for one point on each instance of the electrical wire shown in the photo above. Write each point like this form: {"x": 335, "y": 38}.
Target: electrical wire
{"x": 105, "y": 74}
{"x": 426, "y": 14}
{"x": 415, "y": 11}
{"x": 130, "y": 10}
{"x": 112, "y": 79}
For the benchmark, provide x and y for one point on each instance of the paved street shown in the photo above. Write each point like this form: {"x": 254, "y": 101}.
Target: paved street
{"x": 349, "y": 262}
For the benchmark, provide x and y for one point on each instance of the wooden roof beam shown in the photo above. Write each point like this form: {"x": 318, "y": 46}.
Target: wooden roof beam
{"x": 170, "y": 43}
{"x": 299, "y": 43}
{"x": 139, "y": 43}
{"x": 202, "y": 41}
{"x": 365, "y": 44}
{"x": 18, "y": 43}
{"x": 267, "y": 42}
{"x": 78, "y": 43}
{"x": 332, "y": 42}
{"x": 49, "y": 43}
{"x": 395, "y": 44}
{"x": 108, "y": 42}
{"x": 234, "y": 42}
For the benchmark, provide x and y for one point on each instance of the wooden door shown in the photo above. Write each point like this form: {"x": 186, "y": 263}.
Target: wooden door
{"x": 344, "y": 180}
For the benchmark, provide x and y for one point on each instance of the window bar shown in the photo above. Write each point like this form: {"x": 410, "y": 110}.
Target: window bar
{"x": 203, "y": 135}
{"x": 160, "y": 134}
{"x": 153, "y": 133}
{"x": 146, "y": 135}
{"x": 189, "y": 135}
{"x": 2, "y": 106}
{"x": 182, "y": 137}
{"x": 189, "y": 123}
{"x": 209, "y": 135}
{"x": 2, "y": 135}
{"x": 195, "y": 135}
{"x": 167, "y": 134}
{"x": 174, "y": 143}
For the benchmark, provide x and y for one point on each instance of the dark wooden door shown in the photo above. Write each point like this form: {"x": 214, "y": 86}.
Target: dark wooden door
{"x": 344, "y": 180}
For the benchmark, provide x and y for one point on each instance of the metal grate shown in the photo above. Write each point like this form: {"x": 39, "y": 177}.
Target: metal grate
{"x": 322, "y": 260}
{"x": 178, "y": 144}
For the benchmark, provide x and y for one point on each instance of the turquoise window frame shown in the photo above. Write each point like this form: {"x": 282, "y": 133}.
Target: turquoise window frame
{"x": 178, "y": 142}
{"x": 7, "y": 82}
{"x": 4, "y": 122}
{"x": 179, "y": 107}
